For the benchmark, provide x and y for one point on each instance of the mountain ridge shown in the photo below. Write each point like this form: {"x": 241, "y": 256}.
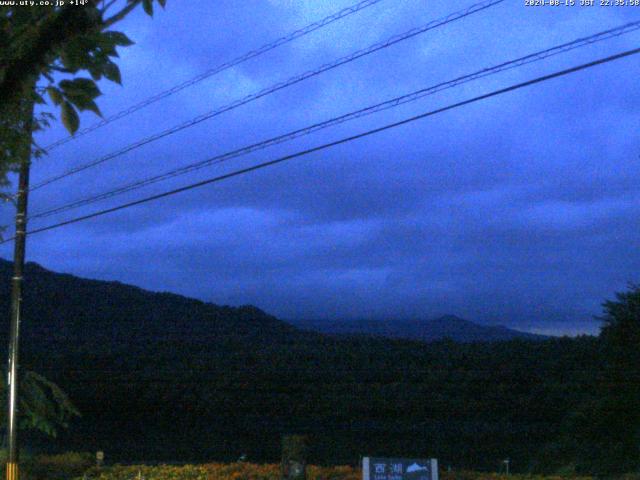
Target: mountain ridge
{"x": 68, "y": 308}
{"x": 165, "y": 311}
{"x": 440, "y": 328}
{"x": 160, "y": 376}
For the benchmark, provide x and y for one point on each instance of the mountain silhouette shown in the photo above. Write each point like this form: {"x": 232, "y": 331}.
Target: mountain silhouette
{"x": 441, "y": 328}
{"x": 162, "y": 377}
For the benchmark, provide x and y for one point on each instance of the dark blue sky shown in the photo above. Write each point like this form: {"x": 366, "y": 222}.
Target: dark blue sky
{"x": 521, "y": 210}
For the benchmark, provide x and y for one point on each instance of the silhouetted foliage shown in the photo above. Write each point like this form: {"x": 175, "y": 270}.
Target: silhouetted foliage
{"x": 604, "y": 432}
{"x": 42, "y": 405}
{"x": 43, "y": 50}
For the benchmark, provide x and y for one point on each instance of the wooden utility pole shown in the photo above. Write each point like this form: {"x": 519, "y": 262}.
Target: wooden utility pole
{"x": 19, "y": 248}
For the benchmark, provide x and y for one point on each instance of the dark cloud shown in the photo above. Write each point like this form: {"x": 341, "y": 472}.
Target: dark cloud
{"x": 521, "y": 210}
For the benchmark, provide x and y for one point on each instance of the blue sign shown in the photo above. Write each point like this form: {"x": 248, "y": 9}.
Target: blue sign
{"x": 378, "y": 468}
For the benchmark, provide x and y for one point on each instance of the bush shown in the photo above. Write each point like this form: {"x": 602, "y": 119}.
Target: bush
{"x": 470, "y": 475}
{"x": 248, "y": 471}
{"x": 56, "y": 467}
{"x": 215, "y": 471}
{"x": 134, "y": 472}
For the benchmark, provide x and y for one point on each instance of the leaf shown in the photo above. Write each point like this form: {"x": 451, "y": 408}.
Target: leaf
{"x": 90, "y": 105}
{"x": 162, "y": 3}
{"x": 80, "y": 88}
{"x": 65, "y": 59}
{"x": 95, "y": 72}
{"x": 147, "y": 5}
{"x": 38, "y": 98}
{"x": 108, "y": 49}
{"x": 112, "y": 72}
{"x": 117, "y": 38}
{"x": 72, "y": 56}
{"x": 70, "y": 118}
{"x": 55, "y": 95}
{"x": 84, "y": 102}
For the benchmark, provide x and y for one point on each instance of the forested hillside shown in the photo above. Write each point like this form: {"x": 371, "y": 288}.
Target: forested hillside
{"x": 161, "y": 377}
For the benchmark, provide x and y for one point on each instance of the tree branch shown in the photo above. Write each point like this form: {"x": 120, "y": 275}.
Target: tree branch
{"x": 121, "y": 14}
{"x": 107, "y": 6}
{"x": 55, "y": 68}
{"x": 64, "y": 25}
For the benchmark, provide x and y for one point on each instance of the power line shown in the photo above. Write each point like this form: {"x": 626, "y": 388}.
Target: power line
{"x": 336, "y": 142}
{"x": 411, "y": 97}
{"x": 279, "y": 86}
{"x": 345, "y": 12}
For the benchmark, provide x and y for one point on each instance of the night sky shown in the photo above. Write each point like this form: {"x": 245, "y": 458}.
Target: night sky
{"x": 521, "y": 210}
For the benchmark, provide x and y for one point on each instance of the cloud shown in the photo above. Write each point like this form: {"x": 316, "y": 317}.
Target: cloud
{"x": 519, "y": 210}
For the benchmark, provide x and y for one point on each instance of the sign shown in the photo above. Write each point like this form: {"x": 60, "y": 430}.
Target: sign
{"x": 378, "y": 468}
{"x": 294, "y": 457}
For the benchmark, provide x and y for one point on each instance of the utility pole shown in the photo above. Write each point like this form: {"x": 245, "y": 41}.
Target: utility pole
{"x": 26, "y": 107}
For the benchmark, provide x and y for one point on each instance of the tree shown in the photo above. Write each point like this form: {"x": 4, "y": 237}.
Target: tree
{"x": 43, "y": 405}
{"x": 621, "y": 330}
{"x": 43, "y": 51}
{"x": 605, "y": 431}
{"x": 620, "y": 336}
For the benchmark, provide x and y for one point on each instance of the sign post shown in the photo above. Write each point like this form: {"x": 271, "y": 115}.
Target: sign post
{"x": 294, "y": 457}
{"x": 379, "y": 468}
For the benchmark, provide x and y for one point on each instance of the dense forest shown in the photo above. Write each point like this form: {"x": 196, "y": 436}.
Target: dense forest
{"x": 160, "y": 377}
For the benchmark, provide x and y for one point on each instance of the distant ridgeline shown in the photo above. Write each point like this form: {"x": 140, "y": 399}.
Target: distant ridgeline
{"x": 442, "y": 328}
{"x": 161, "y": 377}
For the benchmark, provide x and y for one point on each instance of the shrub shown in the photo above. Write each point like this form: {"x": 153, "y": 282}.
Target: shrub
{"x": 471, "y": 475}
{"x": 57, "y": 467}
{"x": 214, "y": 471}
{"x": 249, "y": 471}
{"x": 134, "y": 472}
